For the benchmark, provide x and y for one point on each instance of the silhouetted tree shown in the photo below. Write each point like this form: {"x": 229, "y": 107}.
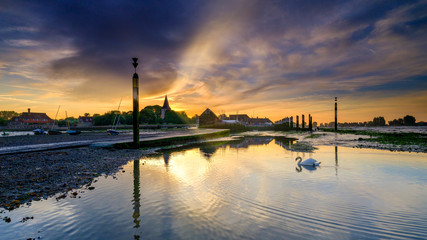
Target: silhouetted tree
{"x": 3, "y": 122}
{"x": 105, "y": 119}
{"x": 409, "y": 120}
{"x": 8, "y": 114}
{"x": 176, "y": 117}
{"x": 151, "y": 114}
{"x": 148, "y": 116}
{"x": 379, "y": 121}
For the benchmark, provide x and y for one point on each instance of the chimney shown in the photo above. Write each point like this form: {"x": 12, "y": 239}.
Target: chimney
{"x": 29, "y": 110}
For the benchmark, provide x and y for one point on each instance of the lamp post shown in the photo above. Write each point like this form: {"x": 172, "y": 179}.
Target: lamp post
{"x": 135, "y": 84}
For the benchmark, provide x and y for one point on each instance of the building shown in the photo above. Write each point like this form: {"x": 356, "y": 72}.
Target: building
{"x": 241, "y": 118}
{"x": 208, "y": 118}
{"x": 260, "y": 122}
{"x": 29, "y": 118}
{"x": 165, "y": 107}
{"x": 283, "y": 121}
{"x": 244, "y": 119}
{"x": 85, "y": 121}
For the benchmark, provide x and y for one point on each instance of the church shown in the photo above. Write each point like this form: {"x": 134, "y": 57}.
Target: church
{"x": 165, "y": 107}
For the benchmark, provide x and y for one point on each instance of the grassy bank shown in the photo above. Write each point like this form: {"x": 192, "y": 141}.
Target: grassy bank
{"x": 387, "y": 138}
{"x": 175, "y": 140}
{"x": 238, "y": 128}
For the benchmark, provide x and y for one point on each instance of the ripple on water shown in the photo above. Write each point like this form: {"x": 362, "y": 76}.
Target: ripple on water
{"x": 251, "y": 194}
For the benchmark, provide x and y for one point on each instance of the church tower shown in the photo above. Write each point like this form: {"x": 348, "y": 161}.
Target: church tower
{"x": 165, "y": 107}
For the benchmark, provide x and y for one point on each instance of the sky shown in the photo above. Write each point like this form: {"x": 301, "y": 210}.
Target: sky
{"x": 265, "y": 58}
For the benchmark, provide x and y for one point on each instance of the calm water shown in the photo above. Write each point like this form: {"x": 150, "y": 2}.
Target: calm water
{"x": 246, "y": 190}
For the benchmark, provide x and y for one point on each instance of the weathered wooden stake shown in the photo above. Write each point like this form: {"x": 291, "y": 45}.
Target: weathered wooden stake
{"x": 303, "y": 122}
{"x": 297, "y": 121}
{"x": 336, "y": 122}
{"x": 135, "y": 84}
{"x": 310, "y": 123}
{"x": 291, "y": 123}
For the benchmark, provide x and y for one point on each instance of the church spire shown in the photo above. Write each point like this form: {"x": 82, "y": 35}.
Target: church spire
{"x": 166, "y": 103}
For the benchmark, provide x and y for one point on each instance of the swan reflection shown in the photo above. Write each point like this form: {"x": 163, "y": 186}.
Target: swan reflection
{"x": 306, "y": 167}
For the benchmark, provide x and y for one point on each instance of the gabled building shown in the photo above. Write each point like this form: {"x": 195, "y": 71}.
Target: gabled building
{"x": 260, "y": 122}
{"x": 27, "y": 118}
{"x": 208, "y": 118}
{"x": 165, "y": 107}
{"x": 241, "y": 118}
{"x": 283, "y": 121}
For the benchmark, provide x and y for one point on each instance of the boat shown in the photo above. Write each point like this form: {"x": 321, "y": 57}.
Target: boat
{"x": 112, "y": 132}
{"x": 39, "y": 131}
{"x": 116, "y": 122}
{"x": 70, "y": 131}
{"x": 54, "y": 131}
{"x": 73, "y": 132}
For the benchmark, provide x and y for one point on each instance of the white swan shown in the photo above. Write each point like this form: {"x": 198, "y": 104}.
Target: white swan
{"x": 307, "y": 162}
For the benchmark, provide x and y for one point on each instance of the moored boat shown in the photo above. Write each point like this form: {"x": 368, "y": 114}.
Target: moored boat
{"x": 54, "y": 132}
{"x": 73, "y": 132}
{"x": 112, "y": 132}
{"x": 39, "y": 131}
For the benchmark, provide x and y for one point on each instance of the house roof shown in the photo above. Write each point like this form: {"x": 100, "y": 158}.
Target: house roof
{"x": 260, "y": 120}
{"x": 31, "y": 115}
{"x": 166, "y": 104}
{"x": 240, "y": 117}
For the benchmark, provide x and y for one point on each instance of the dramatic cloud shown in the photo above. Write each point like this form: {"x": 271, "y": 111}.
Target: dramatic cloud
{"x": 268, "y": 58}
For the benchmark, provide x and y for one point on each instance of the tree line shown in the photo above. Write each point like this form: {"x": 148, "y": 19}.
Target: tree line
{"x": 148, "y": 115}
{"x": 408, "y": 120}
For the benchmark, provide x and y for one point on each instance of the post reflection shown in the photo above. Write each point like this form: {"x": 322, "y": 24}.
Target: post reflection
{"x": 136, "y": 196}
{"x": 336, "y": 160}
{"x": 284, "y": 142}
{"x": 166, "y": 157}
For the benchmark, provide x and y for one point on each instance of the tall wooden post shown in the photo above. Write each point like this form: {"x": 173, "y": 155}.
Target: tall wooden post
{"x": 303, "y": 122}
{"x": 135, "y": 84}
{"x": 310, "y": 123}
{"x": 291, "y": 122}
{"x": 336, "y": 123}
{"x": 297, "y": 121}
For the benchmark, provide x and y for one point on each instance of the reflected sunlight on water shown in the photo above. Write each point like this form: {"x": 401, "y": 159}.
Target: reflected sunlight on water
{"x": 252, "y": 189}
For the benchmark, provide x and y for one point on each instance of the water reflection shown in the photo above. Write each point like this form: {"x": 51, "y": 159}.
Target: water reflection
{"x": 136, "y": 196}
{"x": 284, "y": 142}
{"x": 166, "y": 157}
{"x": 252, "y": 141}
{"x": 208, "y": 151}
{"x": 308, "y": 168}
{"x": 251, "y": 194}
{"x": 336, "y": 160}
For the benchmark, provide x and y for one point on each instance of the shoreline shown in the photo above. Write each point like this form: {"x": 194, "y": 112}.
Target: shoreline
{"x": 27, "y": 177}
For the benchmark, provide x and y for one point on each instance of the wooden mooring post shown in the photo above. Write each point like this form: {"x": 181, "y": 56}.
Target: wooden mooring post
{"x": 135, "y": 85}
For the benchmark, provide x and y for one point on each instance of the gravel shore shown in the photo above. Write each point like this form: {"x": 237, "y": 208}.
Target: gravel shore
{"x": 41, "y": 139}
{"x": 33, "y": 176}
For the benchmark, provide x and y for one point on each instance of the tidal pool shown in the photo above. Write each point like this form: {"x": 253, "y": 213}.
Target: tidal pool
{"x": 251, "y": 189}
